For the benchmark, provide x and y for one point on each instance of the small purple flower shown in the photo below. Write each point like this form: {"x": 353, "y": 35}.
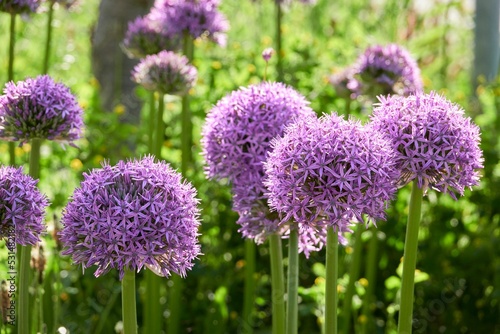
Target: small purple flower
{"x": 22, "y": 208}
{"x": 131, "y": 215}
{"x": 39, "y": 108}
{"x": 435, "y": 143}
{"x": 19, "y": 6}
{"x": 165, "y": 72}
{"x": 198, "y": 18}
{"x": 390, "y": 69}
{"x": 147, "y": 35}
{"x": 267, "y": 54}
{"x": 236, "y": 140}
{"x": 330, "y": 171}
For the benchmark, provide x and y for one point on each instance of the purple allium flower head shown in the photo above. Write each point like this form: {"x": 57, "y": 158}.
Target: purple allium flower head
{"x": 330, "y": 171}
{"x": 199, "y": 18}
{"x": 22, "y": 208}
{"x": 435, "y": 143}
{"x": 19, "y": 6}
{"x": 236, "y": 140}
{"x": 389, "y": 69}
{"x": 39, "y": 108}
{"x": 267, "y": 54}
{"x": 166, "y": 72}
{"x": 131, "y": 215}
{"x": 147, "y": 35}
{"x": 345, "y": 84}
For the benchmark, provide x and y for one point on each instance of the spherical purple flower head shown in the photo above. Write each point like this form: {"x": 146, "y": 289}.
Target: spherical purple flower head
{"x": 146, "y": 36}
{"x": 345, "y": 84}
{"x": 435, "y": 142}
{"x": 165, "y": 72}
{"x": 330, "y": 171}
{"x": 39, "y": 108}
{"x": 389, "y": 69}
{"x": 19, "y": 6}
{"x": 199, "y": 18}
{"x": 133, "y": 214}
{"x": 22, "y": 208}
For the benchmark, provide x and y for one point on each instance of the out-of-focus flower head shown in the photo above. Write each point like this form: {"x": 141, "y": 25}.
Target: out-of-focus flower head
{"x": 236, "y": 140}
{"x": 19, "y": 6}
{"x": 39, "y": 108}
{"x": 148, "y": 35}
{"x": 165, "y": 72}
{"x": 131, "y": 215}
{"x": 198, "y": 18}
{"x": 390, "y": 69}
{"x": 267, "y": 54}
{"x": 435, "y": 143}
{"x": 22, "y": 208}
{"x": 345, "y": 84}
{"x": 330, "y": 171}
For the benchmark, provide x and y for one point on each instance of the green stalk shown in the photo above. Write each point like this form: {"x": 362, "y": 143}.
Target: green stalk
{"x": 353, "y": 276}
{"x": 48, "y": 40}
{"x": 371, "y": 270}
{"x": 410, "y": 260}
{"x": 129, "y": 312}
{"x": 332, "y": 255}
{"x": 249, "y": 293}
{"x": 277, "y": 284}
{"x": 160, "y": 127}
{"x": 293, "y": 282}
{"x": 10, "y": 77}
{"x": 279, "y": 41}
{"x": 151, "y": 121}
{"x": 25, "y": 272}
{"x": 186, "y": 121}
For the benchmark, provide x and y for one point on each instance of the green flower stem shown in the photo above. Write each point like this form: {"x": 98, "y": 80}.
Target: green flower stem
{"x": 353, "y": 276}
{"x": 249, "y": 293}
{"x": 48, "y": 40}
{"x": 152, "y": 120}
{"x": 25, "y": 272}
{"x": 410, "y": 260}
{"x": 332, "y": 255}
{"x": 293, "y": 282}
{"x": 277, "y": 283}
{"x": 279, "y": 41}
{"x": 10, "y": 77}
{"x": 371, "y": 270}
{"x": 186, "y": 121}
{"x": 160, "y": 127}
{"x": 129, "y": 312}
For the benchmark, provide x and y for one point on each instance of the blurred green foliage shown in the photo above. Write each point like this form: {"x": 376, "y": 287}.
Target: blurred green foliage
{"x": 459, "y": 251}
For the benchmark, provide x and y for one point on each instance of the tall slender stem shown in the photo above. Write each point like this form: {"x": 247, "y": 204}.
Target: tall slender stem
{"x": 129, "y": 312}
{"x": 331, "y": 297}
{"x": 160, "y": 127}
{"x": 410, "y": 261}
{"x": 151, "y": 120}
{"x": 279, "y": 42}
{"x": 186, "y": 121}
{"x": 353, "y": 276}
{"x": 48, "y": 40}
{"x": 25, "y": 272}
{"x": 371, "y": 270}
{"x": 249, "y": 293}
{"x": 277, "y": 284}
{"x": 10, "y": 76}
{"x": 293, "y": 282}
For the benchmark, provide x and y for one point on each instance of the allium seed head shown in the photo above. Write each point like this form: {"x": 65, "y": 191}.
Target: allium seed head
{"x": 330, "y": 171}
{"x": 39, "y": 108}
{"x": 198, "y": 18}
{"x": 236, "y": 140}
{"x": 435, "y": 143}
{"x": 19, "y": 6}
{"x": 131, "y": 215}
{"x": 22, "y": 208}
{"x": 390, "y": 69}
{"x": 147, "y": 35}
{"x": 165, "y": 72}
